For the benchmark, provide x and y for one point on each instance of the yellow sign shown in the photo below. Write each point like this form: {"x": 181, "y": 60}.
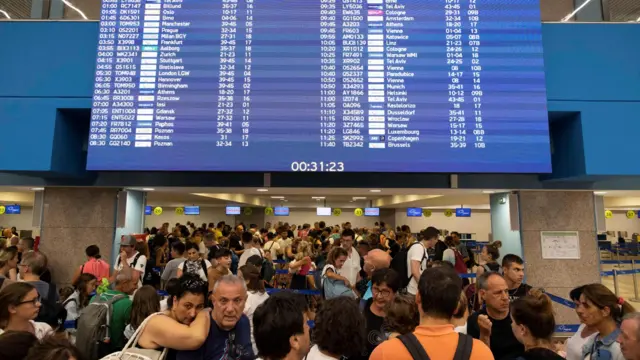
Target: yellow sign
{"x": 2, "y": 209}
{"x": 631, "y": 214}
{"x": 337, "y": 212}
{"x": 358, "y": 212}
{"x": 426, "y": 212}
{"x": 608, "y": 214}
{"x": 179, "y": 211}
{"x": 448, "y": 213}
{"x": 268, "y": 211}
{"x": 247, "y": 211}
{"x": 157, "y": 210}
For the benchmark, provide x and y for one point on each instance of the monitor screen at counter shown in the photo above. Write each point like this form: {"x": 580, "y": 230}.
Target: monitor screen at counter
{"x": 192, "y": 210}
{"x": 313, "y": 86}
{"x": 233, "y": 210}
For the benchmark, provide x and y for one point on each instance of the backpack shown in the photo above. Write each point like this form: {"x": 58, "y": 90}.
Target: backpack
{"x": 51, "y": 312}
{"x": 399, "y": 264}
{"x": 417, "y": 351}
{"x": 135, "y": 261}
{"x": 92, "y": 336}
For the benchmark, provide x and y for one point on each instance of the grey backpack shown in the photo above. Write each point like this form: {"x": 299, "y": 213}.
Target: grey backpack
{"x": 94, "y": 323}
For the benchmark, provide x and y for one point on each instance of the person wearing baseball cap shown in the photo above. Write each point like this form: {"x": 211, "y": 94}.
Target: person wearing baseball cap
{"x": 130, "y": 259}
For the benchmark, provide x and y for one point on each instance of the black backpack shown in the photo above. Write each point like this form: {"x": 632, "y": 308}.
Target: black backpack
{"x": 399, "y": 264}
{"x": 51, "y": 311}
{"x": 417, "y": 351}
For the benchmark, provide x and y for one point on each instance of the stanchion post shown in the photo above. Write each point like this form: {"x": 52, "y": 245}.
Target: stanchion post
{"x": 616, "y": 289}
{"x": 635, "y": 282}
{"x": 618, "y": 256}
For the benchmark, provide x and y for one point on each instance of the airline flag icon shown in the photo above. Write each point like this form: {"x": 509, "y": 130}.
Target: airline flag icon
{"x": 375, "y": 30}
{"x": 376, "y": 12}
{"x": 374, "y": 7}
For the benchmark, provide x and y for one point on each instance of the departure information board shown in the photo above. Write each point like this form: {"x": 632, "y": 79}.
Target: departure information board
{"x": 320, "y": 86}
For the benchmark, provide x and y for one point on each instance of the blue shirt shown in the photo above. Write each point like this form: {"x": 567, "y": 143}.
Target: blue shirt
{"x": 606, "y": 348}
{"x": 219, "y": 344}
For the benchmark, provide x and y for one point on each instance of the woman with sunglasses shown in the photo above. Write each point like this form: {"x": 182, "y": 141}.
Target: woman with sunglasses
{"x": 19, "y": 305}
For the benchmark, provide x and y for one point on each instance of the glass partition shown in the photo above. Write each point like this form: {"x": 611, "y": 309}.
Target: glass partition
{"x": 15, "y": 9}
{"x": 622, "y": 10}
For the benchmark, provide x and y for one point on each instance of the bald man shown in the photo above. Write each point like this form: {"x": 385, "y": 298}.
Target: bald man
{"x": 374, "y": 260}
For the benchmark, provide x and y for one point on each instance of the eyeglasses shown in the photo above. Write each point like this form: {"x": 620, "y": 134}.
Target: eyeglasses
{"x": 383, "y": 293}
{"x": 37, "y": 300}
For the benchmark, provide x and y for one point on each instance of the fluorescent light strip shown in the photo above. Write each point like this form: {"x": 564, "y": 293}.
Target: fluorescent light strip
{"x": 9, "y": 17}
{"x": 66, "y": 2}
{"x": 568, "y": 17}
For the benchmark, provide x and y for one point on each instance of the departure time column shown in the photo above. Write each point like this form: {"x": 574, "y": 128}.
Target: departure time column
{"x": 328, "y": 71}
{"x": 227, "y": 72}
{"x": 102, "y": 93}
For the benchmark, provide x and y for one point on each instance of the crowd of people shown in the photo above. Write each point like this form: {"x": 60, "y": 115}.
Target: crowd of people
{"x": 312, "y": 292}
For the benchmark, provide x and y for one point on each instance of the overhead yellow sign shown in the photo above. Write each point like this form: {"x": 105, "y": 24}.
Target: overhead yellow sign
{"x": 448, "y": 213}
{"x": 426, "y": 212}
{"x": 157, "y": 210}
{"x": 247, "y": 211}
{"x": 358, "y": 212}
{"x": 2, "y": 209}
{"x": 608, "y": 214}
{"x": 268, "y": 211}
{"x": 179, "y": 211}
{"x": 337, "y": 212}
{"x": 631, "y": 214}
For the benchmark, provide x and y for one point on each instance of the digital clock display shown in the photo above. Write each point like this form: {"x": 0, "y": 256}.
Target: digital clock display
{"x": 452, "y": 86}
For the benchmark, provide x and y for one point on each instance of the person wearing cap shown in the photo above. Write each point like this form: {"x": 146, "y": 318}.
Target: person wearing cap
{"x": 130, "y": 259}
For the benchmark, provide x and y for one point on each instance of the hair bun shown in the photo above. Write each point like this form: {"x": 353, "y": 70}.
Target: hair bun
{"x": 541, "y": 301}
{"x": 497, "y": 244}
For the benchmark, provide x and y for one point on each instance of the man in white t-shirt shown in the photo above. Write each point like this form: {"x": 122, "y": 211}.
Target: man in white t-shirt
{"x": 130, "y": 258}
{"x": 351, "y": 267}
{"x": 418, "y": 257}
{"x": 271, "y": 247}
{"x": 249, "y": 249}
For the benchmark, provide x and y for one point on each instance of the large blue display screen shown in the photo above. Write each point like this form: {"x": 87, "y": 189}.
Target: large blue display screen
{"x": 320, "y": 85}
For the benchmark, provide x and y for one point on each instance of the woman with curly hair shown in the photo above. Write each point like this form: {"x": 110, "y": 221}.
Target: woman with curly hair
{"x": 339, "y": 330}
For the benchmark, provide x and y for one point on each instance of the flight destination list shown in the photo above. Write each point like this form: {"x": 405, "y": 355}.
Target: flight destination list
{"x": 320, "y": 86}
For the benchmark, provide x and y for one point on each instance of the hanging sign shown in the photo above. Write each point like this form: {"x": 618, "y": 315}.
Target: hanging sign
{"x": 157, "y": 210}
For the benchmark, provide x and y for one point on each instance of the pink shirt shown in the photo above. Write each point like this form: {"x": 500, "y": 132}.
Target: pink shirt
{"x": 97, "y": 268}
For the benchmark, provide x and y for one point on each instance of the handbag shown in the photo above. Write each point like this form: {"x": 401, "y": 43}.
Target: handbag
{"x": 130, "y": 352}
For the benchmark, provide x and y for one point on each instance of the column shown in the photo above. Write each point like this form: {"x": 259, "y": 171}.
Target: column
{"x": 74, "y": 218}
{"x": 505, "y": 223}
{"x": 559, "y": 211}
{"x": 130, "y": 218}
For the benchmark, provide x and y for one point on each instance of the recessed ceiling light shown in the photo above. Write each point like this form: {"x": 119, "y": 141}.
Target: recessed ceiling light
{"x": 359, "y": 198}
{"x": 148, "y": 189}
{"x": 317, "y": 197}
{"x": 488, "y": 191}
{"x": 375, "y": 190}
{"x": 262, "y": 190}
{"x": 277, "y": 197}
{"x": 599, "y": 192}
{"x": 37, "y": 189}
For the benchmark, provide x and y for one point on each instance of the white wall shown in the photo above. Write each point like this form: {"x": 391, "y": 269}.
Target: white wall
{"x": 479, "y": 222}
{"x": 21, "y": 221}
{"x": 207, "y": 215}
{"x": 619, "y": 222}
{"x": 299, "y": 216}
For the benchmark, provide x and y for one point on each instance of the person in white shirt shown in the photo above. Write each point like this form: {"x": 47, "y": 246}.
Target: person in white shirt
{"x": 249, "y": 249}
{"x": 256, "y": 295}
{"x": 131, "y": 259}
{"x": 351, "y": 267}
{"x": 21, "y": 303}
{"x": 271, "y": 247}
{"x": 418, "y": 257}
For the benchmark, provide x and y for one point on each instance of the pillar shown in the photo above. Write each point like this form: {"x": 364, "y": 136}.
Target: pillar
{"x": 129, "y": 218}
{"x": 505, "y": 223}
{"x": 559, "y": 211}
{"x": 72, "y": 219}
